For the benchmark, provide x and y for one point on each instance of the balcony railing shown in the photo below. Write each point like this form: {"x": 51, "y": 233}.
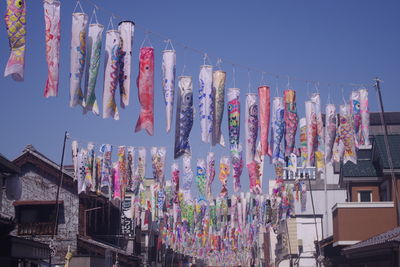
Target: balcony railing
{"x": 300, "y": 173}
{"x": 36, "y": 228}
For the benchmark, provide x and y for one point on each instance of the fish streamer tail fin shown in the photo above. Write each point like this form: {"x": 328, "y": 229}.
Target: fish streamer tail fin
{"x": 145, "y": 121}
{"x": 15, "y": 65}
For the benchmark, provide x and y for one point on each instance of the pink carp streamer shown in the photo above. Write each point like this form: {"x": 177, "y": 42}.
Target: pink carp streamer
{"x": 319, "y": 153}
{"x": 223, "y": 175}
{"x": 52, "y": 21}
{"x": 291, "y": 120}
{"x": 303, "y": 142}
{"x": 126, "y": 29}
{"x": 251, "y": 126}
{"x": 210, "y": 172}
{"x": 111, "y": 74}
{"x": 346, "y": 134}
{"x": 355, "y": 110}
{"x": 311, "y": 133}
{"x": 168, "y": 84}
{"x": 264, "y": 98}
{"x": 175, "y": 181}
{"x": 15, "y": 19}
{"x": 218, "y": 87}
{"x": 330, "y": 131}
{"x": 78, "y": 58}
{"x": 237, "y": 168}
{"x": 206, "y": 103}
{"x": 145, "y": 84}
{"x": 254, "y": 175}
{"x": 364, "y": 109}
{"x": 92, "y": 67}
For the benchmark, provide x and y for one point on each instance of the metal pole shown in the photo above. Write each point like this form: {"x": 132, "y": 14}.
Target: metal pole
{"x": 55, "y": 229}
{"x": 388, "y": 151}
{"x": 315, "y": 219}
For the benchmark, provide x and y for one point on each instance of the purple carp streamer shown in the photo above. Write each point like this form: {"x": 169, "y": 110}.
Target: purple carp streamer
{"x": 355, "y": 110}
{"x": 303, "y": 142}
{"x": 330, "y": 131}
{"x": 175, "y": 181}
{"x": 278, "y": 130}
{"x": 52, "y": 21}
{"x": 130, "y": 166}
{"x": 92, "y": 67}
{"x": 78, "y": 58}
{"x": 184, "y": 117}
{"x": 251, "y": 126}
{"x": 75, "y": 150}
{"x": 15, "y": 19}
{"x": 346, "y": 133}
{"x": 206, "y": 103}
{"x": 319, "y": 153}
{"x": 224, "y": 171}
{"x": 291, "y": 120}
{"x": 210, "y": 173}
{"x": 218, "y": 87}
{"x": 126, "y": 29}
{"x": 201, "y": 179}
{"x": 168, "y": 83}
{"x": 106, "y": 170}
{"x": 364, "y": 110}
{"x": 237, "y": 167}
{"x": 187, "y": 178}
{"x": 311, "y": 133}
{"x": 111, "y": 74}
{"x": 158, "y": 163}
{"x": 265, "y": 108}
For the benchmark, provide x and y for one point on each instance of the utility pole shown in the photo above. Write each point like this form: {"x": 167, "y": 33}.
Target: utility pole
{"x": 388, "y": 151}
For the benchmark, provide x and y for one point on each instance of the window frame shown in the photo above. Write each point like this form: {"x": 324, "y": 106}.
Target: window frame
{"x": 362, "y": 191}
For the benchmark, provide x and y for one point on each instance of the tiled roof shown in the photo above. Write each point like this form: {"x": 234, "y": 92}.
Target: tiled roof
{"x": 389, "y": 237}
{"x": 391, "y": 118}
{"x": 394, "y": 145}
{"x": 364, "y": 168}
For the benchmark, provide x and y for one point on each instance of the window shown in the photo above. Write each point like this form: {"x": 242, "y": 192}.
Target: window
{"x": 364, "y": 196}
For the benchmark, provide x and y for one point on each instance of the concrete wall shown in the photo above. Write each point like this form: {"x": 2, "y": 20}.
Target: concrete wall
{"x": 36, "y": 187}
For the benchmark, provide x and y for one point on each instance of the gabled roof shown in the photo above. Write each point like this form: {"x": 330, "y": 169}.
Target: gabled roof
{"x": 389, "y": 238}
{"x": 7, "y": 167}
{"x": 394, "y": 147}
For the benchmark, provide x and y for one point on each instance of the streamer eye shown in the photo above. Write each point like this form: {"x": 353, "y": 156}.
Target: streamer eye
{"x": 19, "y": 3}
{"x": 147, "y": 67}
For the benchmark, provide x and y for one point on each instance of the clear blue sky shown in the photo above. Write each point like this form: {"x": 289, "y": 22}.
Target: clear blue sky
{"x": 330, "y": 41}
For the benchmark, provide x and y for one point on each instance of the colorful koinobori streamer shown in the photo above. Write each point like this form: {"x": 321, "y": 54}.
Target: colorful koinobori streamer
{"x": 130, "y": 167}
{"x": 311, "y": 133}
{"x": 264, "y": 99}
{"x": 237, "y": 167}
{"x": 105, "y": 185}
{"x": 303, "y": 142}
{"x": 158, "y": 163}
{"x": 233, "y": 95}
{"x": 251, "y": 126}
{"x": 187, "y": 178}
{"x": 210, "y": 172}
{"x": 291, "y": 120}
{"x": 218, "y": 87}
{"x": 278, "y": 129}
{"x": 355, "y": 110}
{"x": 82, "y": 162}
{"x": 111, "y": 74}
{"x": 184, "y": 117}
{"x": 330, "y": 131}
{"x": 52, "y": 21}
{"x": 140, "y": 171}
{"x": 254, "y": 176}
{"x": 175, "y": 181}
{"x": 206, "y": 103}
{"x": 346, "y": 133}
{"x": 122, "y": 170}
{"x": 78, "y": 57}
{"x": 224, "y": 171}
{"x": 168, "y": 83}
{"x": 145, "y": 84}
{"x": 259, "y": 159}
{"x": 92, "y": 67}
{"x": 126, "y": 29}
{"x": 201, "y": 178}
{"x": 15, "y": 19}
{"x": 117, "y": 182}
{"x": 75, "y": 150}
{"x": 364, "y": 109}
{"x": 319, "y": 153}
{"x": 89, "y": 183}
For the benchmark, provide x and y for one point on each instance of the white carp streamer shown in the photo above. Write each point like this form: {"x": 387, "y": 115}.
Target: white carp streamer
{"x": 364, "y": 110}
{"x": 111, "y": 74}
{"x": 168, "y": 83}
{"x": 78, "y": 58}
{"x": 206, "y": 103}
{"x": 251, "y": 126}
{"x": 218, "y": 85}
{"x": 126, "y": 29}
{"x": 319, "y": 153}
{"x": 158, "y": 163}
{"x": 95, "y": 35}
{"x": 311, "y": 133}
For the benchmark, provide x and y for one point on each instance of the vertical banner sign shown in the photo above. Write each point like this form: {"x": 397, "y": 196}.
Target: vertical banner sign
{"x": 92, "y": 67}
{"x": 206, "y": 103}
{"x": 127, "y": 226}
{"x": 126, "y": 29}
{"x": 52, "y": 21}
{"x": 168, "y": 83}
{"x": 15, "y": 19}
{"x": 218, "y": 89}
